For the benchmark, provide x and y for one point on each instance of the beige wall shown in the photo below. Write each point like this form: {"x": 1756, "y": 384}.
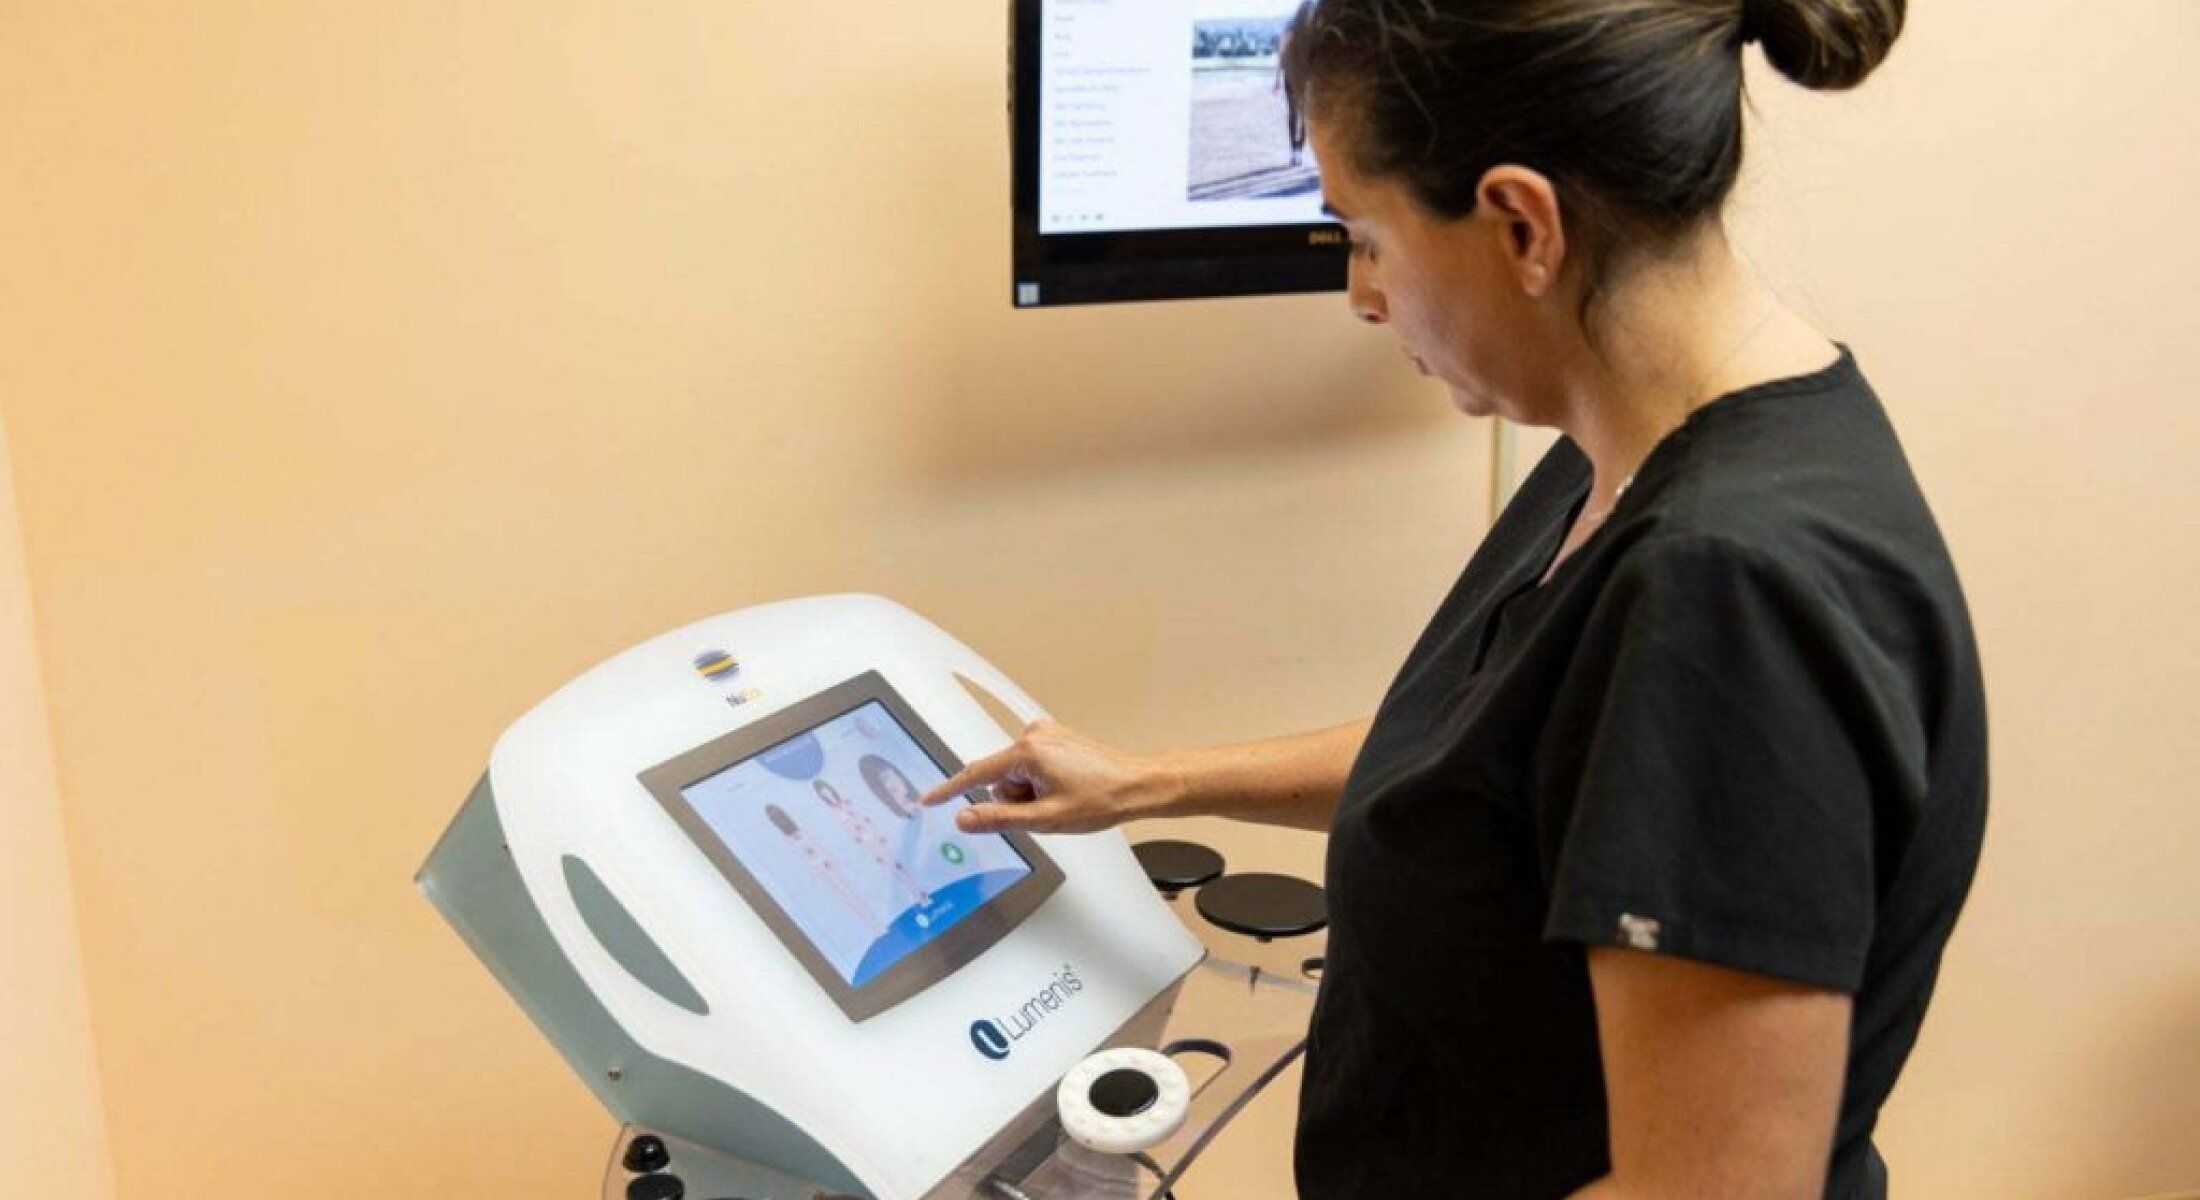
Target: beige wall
{"x": 387, "y": 364}
{"x": 374, "y": 368}
{"x": 51, "y": 1124}
{"x": 2003, "y": 225}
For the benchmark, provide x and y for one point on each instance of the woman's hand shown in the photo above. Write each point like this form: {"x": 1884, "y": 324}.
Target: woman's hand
{"x": 1053, "y": 779}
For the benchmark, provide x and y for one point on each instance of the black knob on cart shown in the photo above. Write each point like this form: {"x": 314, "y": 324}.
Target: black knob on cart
{"x": 646, "y": 1154}
{"x": 655, "y": 1187}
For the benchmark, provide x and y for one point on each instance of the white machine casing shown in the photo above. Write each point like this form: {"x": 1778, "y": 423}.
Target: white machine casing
{"x": 905, "y": 1096}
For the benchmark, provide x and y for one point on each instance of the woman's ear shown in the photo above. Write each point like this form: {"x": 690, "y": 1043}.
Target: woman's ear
{"x": 1525, "y": 205}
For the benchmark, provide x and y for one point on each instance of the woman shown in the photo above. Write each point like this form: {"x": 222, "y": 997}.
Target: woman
{"x": 889, "y": 785}
{"x": 1640, "y": 875}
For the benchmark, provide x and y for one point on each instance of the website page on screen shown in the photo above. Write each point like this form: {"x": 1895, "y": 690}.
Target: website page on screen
{"x": 1169, "y": 114}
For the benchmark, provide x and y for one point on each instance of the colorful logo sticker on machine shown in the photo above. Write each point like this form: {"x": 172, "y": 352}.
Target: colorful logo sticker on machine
{"x": 717, "y": 666}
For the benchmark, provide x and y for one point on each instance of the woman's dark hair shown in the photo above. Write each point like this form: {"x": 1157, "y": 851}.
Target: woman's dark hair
{"x": 1633, "y": 108}
{"x": 876, "y": 771}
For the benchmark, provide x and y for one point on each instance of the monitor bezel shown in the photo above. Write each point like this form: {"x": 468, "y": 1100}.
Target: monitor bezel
{"x": 928, "y": 964}
{"x": 1134, "y": 265}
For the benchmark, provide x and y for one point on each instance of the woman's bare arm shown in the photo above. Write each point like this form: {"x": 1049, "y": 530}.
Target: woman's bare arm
{"x": 1291, "y": 781}
{"x": 1719, "y": 1083}
{"x": 1053, "y": 779}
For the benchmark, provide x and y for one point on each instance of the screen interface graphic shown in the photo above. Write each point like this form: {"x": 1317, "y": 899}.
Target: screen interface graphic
{"x": 828, "y": 822}
{"x": 1169, "y": 114}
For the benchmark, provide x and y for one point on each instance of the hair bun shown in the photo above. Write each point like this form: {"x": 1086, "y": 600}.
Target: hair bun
{"x": 1752, "y": 29}
{"x": 1824, "y": 44}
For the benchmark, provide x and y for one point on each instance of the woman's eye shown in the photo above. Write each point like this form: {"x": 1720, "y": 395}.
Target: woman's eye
{"x": 1362, "y": 249}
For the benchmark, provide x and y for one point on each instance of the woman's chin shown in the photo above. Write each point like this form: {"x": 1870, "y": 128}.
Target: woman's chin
{"x": 1470, "y": 403}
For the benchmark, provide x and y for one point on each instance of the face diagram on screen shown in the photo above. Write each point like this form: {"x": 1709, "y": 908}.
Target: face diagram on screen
{"x": 828, "y": 823}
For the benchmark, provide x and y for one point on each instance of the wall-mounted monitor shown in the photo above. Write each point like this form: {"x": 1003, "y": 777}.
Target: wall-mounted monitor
{"x": 1157, "y": 155}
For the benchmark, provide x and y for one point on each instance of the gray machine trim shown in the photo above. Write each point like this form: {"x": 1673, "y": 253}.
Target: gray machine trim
{"x": 472, "y": 881}
{"x": 626, "y": 941}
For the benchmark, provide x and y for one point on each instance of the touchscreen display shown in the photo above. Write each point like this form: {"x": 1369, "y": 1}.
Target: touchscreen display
{"x": 828, "y": 823}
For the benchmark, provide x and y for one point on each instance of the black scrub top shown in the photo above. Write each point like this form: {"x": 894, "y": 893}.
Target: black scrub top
{"x": 1743, "y": 724}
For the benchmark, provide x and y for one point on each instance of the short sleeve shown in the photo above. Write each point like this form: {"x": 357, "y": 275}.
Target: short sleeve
{"x": 1704, "y": 785}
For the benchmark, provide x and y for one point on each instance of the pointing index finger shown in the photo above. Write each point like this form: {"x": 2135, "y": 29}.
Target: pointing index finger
{"x": 985, "y": 772}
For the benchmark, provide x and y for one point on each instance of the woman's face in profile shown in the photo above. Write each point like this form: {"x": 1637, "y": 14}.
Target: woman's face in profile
{"x": 1447, "y": 289}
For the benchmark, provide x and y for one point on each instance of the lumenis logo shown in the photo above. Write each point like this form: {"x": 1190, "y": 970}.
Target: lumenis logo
{"x": 990, "y": 1040}
{"x": 996, "y": 1037}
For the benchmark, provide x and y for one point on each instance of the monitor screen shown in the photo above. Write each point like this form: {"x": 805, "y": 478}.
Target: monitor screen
{"x": 828, "y": 822}
{"x": 1169, "y": 116}
{"x": 811, "y": 814}
{"x": 1158, "y": 154}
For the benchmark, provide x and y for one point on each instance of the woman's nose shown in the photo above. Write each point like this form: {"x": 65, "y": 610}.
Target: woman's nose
{"x": 1365, "y": 298}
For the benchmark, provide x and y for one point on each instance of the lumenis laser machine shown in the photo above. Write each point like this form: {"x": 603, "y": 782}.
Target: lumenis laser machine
{"x": 702, "y": 871}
